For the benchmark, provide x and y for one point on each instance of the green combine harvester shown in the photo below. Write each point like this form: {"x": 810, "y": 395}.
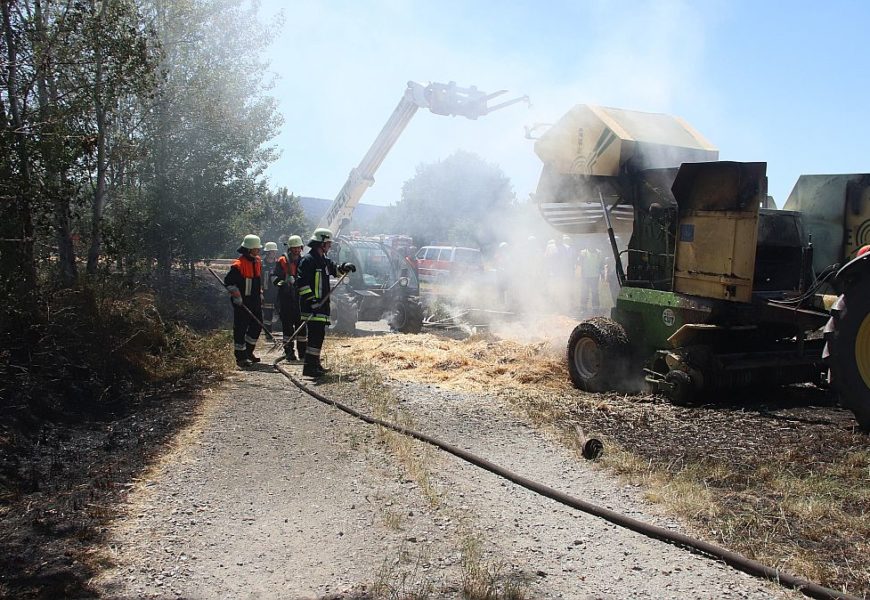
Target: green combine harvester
{"x": 719, "y": 290}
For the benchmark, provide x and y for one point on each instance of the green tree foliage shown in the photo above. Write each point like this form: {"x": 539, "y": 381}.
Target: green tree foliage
{"x": 68, "y": 65}
{"x": 208, "y": 128}
{"x": 455, "y": 201}
{"x": 274, "y": 217}
{"x": 133, "y": 133}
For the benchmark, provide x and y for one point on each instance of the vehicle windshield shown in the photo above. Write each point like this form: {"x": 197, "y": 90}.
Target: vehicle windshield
{"x": 374, "y": 265}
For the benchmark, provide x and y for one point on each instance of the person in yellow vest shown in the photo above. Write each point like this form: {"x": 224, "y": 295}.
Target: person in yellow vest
{"x": 270, "y": 292}
{"x": 591, "y": 270}
{"x": 243, "y": 283}
{"x": 284, "y": 276}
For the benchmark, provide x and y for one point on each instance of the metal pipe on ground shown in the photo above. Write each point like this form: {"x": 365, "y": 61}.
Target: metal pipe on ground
{"x": 739, "y": 562}
{"x": 247, "y": 310}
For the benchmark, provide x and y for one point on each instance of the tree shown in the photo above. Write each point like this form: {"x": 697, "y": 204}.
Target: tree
{"x": 454, "y": 201}
{"x": 208, "y": 129}
{"x": 274, "y": 217}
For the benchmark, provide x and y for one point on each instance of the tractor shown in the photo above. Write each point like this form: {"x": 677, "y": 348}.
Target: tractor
{"x": 719, "y": 290}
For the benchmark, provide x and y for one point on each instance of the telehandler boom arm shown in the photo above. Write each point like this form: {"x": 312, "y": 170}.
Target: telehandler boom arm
{"x": 441, "y": 99}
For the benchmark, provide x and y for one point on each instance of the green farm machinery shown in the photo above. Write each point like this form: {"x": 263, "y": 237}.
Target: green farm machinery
{"x": 719, "y": 289}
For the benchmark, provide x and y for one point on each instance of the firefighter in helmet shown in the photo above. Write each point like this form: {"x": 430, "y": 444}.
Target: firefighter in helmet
{"x": 270, "y": 292}
{"x": 284, "y": 276}
{"x": 243, "y": 282}
{"x": 312, "y": 283}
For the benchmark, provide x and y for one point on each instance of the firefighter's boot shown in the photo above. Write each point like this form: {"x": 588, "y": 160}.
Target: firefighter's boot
{"x": 300, "y": 349}
{"x": 242, "y": 360}
{"x": 311, "y": 369}
{"x": 323, "y": 370}
{"x": 289, "y": 355}
{"x": 250, "y": 353}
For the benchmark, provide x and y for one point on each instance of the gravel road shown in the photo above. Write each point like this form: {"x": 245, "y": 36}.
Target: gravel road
{"x": 273, "y": 494}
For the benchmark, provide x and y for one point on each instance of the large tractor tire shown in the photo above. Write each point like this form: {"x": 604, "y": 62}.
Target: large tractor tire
{"x": 406, "y": 315}
{"x": 598, "y": 355}
{"x": 848, "y": 349}
{"x": 344, "y": 313}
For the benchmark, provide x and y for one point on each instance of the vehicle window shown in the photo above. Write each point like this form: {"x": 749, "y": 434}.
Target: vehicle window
{"x": 446, "y": 254}
{"x": 374, "y": 265}
{"x": 468, "y": 256}
{"x": 432, "y": 254}
{"x": 345, "y": 254}
{"x": 421, "y": 254}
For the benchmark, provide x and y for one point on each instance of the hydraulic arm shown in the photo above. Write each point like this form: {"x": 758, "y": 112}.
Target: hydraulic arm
{"x": 441, "y": 99}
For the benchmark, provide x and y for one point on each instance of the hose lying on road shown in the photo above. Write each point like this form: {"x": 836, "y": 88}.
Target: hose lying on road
{"x": 747, "y": 565}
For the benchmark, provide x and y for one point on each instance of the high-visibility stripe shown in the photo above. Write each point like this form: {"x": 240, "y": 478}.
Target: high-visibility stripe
{"x": 316, "y": 284}
{"x": 312, "y": 351}
{"x": 304, "y": 290}
{"x": 239, "y": 347}
{"x": 315, "y": 318}
{"x": 250, "y": 340}
{"x": 248, "y": 284}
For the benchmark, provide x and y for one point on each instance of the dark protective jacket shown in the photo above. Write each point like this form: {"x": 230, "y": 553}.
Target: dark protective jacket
{"x": 245, "y": 274}
{"x": 270, "y": 292}
{"x": 284, "y": 276}
{"x": 312, "y": 283}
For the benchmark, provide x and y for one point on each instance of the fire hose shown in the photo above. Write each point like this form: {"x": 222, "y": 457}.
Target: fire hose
{"x": 315, "y": 305}
{"x": 247, "y": 310}
{"x": 739, "y": 562}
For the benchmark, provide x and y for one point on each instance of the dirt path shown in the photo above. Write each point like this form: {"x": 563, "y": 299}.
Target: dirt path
{"x": 272, "y": 494}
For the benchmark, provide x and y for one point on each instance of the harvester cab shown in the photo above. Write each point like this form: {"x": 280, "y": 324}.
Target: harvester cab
{"x": 718, "y": 292}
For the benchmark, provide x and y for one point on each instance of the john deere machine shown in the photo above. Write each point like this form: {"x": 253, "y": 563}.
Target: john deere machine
{"x": 719, "y": 290}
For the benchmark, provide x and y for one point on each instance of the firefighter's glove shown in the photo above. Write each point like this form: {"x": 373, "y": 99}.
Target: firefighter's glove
{"x": 347, "y": 267}
{"x": 235, "y": 295}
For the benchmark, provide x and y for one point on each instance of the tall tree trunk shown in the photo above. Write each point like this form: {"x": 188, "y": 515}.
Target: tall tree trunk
{"x": 52, "y": 162}
{"x": 99, "y": 203}
{"x": 20, "y": 271}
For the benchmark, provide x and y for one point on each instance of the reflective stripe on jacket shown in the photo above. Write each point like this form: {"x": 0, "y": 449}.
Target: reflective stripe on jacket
{"x": 245, "y": 273}
{"x": 312, "y": 283}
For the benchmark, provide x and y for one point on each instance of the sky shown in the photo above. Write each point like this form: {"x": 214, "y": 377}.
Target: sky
{"x": 781, "y": 82}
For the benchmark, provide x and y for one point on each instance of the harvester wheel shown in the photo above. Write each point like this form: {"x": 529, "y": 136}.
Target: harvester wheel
{"x": 406, "y": 315}
{"x": 598, "y": 355}
{"x": 849, "y": 348}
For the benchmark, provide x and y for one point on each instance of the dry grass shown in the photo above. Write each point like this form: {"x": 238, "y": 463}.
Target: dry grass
{"x": 781, "y": 477}
{"x": 487, "y": 580}
{"x": 414, "y": 456}
{"x": 404, "y": 577}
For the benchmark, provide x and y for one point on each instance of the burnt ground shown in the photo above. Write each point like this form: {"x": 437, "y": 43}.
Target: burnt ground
{"x": 74, "y": 478}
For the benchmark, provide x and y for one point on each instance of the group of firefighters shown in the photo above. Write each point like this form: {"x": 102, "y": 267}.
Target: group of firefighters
{"x": 554, "y": 268}
{"x": 303, "y": 289}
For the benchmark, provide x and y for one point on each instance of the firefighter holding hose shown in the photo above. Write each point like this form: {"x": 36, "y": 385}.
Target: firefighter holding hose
{"x": 312, "y": 283}
{"x": 243, "y": 283}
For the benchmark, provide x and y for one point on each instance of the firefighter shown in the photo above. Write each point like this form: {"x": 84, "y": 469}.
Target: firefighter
{"x": 270, "y": 292}
{"x": 312, "y": 283}
{"x": 243, "y": 282}
{"x": 284, "y": 276}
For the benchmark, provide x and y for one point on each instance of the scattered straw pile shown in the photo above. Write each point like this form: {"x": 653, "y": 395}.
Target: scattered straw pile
{"x": 475, "y": 365}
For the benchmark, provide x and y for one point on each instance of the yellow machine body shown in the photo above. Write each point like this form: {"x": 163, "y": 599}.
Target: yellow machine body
{"x": 718, "y": 229}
